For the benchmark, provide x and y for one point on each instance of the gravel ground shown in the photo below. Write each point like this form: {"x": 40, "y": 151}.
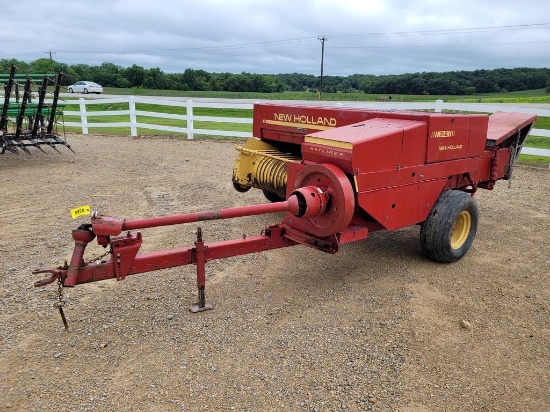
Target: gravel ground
{"x": 375, "y": 327}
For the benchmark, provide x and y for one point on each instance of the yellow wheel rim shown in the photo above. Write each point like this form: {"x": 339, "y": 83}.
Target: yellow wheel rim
{"x": 461, "y": 229}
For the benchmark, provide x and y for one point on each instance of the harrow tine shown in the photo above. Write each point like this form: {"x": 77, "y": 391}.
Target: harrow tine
{"x": 49, "y": 143}
{"x": 35, "y": 144}
{"x": 10, "y": 147}
{"x": 61, "y": 142}
{"x": 54, "y": 148}
{"x": 23, "y": 147}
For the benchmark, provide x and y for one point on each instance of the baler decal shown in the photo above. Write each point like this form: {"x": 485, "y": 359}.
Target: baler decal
{"x": 301, "y": 120}
{"x": 442, "y": 133}
{"x": 451, "y": 147}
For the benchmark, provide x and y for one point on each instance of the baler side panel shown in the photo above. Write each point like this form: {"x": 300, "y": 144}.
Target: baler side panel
{"x": 448, "y": 137}
{"x": 413, "y": 152}
{"x": 399, "y": 198}
{"x": 478, "y": 134}
{"x": 392, "y": 207}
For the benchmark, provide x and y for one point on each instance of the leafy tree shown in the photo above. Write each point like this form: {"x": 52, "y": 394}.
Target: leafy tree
{"x": 44, "y": 65}
{"x": 449, "y": 83}
{"x": 135, "y": 75}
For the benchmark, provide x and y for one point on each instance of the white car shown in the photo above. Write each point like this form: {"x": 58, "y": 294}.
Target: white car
{"x": 85, "y": 87}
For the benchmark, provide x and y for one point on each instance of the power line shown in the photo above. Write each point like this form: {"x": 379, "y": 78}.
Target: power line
{"x": 469, "y": 30}
{"x": 441, "y": 45}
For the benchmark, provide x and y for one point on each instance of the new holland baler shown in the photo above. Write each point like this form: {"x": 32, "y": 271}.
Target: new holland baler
{"x": 338, "y": 174}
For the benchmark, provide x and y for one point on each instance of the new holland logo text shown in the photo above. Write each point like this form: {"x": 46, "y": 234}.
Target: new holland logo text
{"x": 451, "y": 147}
{"x": 305, "y": 119}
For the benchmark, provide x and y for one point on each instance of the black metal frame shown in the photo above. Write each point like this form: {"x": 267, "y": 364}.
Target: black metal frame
{"x": 39, "y": 130}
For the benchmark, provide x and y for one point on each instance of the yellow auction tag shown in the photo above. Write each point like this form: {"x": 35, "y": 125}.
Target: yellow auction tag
{"x": 80, "y": 211}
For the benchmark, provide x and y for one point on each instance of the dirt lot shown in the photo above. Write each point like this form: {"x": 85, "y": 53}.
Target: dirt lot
{"x": 375, "y": 327}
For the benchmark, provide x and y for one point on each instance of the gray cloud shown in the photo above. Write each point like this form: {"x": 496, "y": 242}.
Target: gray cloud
{"x": 367, "y": 37}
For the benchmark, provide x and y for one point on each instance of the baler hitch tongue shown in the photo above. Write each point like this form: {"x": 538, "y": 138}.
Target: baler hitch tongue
{"x": 59, "y": 273}
{"x": 305, "y": 202}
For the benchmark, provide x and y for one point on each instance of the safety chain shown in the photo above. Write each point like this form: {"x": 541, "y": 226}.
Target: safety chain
{"x": 513, "y": 156}
{"x": 60, "y": 302}
{"x": 97, "y": 258}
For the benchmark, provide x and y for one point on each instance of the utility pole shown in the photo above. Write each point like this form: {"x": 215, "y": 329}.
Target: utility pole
{"x": 51, "y": 60}
{"x": 323, "y": 40}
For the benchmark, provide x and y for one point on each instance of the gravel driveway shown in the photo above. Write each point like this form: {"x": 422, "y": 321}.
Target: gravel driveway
{"x": 375, "y": 327}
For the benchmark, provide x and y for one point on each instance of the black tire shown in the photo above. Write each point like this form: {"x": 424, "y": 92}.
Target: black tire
{"x": 273, "y": 197}
{"x": 71, "y": 90}
{"x": 85, "y": 91}
{"x": 448, "y": 232}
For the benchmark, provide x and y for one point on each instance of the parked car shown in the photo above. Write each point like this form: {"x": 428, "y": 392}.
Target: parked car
{"x": 85, "y": 87}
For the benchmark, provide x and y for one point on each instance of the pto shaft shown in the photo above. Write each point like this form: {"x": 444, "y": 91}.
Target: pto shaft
{"x": 304, "y": 202}
{"x": 289, "y": 205}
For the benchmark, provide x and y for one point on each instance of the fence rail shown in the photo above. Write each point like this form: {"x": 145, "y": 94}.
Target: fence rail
{"x": 189, "y": 118}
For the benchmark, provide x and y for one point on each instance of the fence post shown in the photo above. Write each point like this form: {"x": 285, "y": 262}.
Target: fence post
{"x": 438, "y": 106}
{"x": 83, "y": 117}
{"x": 133, "y": 121}
{"x": 189, "y": 114}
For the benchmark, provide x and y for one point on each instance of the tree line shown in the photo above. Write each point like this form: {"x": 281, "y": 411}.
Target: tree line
{"x": 425, "y": 83}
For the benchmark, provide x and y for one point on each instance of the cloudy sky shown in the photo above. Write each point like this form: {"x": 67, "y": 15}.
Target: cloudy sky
{"x": 282, "y": 36}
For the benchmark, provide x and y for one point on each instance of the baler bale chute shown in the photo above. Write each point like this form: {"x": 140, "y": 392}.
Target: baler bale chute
{"x": 337, "y": 174}
{"x": 34, "y": 124}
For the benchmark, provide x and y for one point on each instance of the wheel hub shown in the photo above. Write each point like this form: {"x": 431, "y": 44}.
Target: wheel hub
{"x": 461, "y": 229}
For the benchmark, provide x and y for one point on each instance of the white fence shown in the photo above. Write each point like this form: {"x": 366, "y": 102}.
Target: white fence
{"x": 133, "y": 124}
{"x": 189, "y": 117}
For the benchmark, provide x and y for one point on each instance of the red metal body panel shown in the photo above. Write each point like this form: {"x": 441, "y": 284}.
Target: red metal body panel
{"x": 503, "y": 125}
{"x": 401, "y": 206}
{"x": 448, "y": 138}
{"x": 375, "y": 144}
{"x": 478, "y": 134}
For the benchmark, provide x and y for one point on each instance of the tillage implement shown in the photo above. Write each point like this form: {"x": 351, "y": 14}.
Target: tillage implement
{"x": 24, "y": 123}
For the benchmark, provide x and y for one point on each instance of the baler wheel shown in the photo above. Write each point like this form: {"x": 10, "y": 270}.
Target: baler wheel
{"x": 449, "y": 230}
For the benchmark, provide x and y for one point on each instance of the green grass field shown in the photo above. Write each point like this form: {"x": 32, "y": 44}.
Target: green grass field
{"x": 529, "y": 96}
